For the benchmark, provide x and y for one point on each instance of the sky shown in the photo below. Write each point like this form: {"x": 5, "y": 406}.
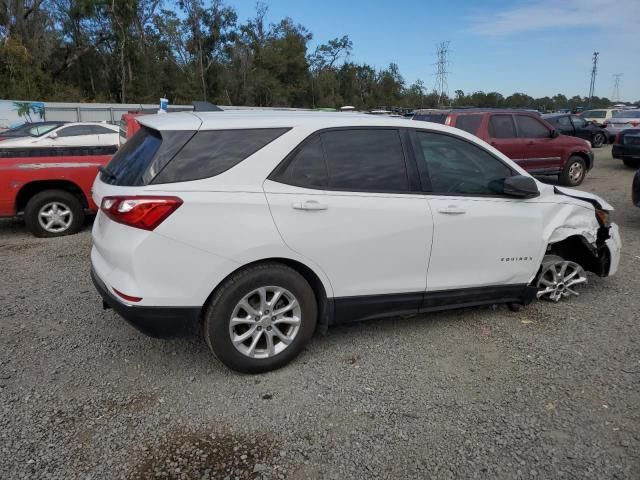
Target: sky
{"x": 538, "y": 47}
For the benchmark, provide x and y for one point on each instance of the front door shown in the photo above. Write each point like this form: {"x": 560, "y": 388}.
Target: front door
{"x": 481, "y": 237}
{"x": 343, "y": 200}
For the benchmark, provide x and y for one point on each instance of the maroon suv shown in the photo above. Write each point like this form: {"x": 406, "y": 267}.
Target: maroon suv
{"x": 528, "y": 140}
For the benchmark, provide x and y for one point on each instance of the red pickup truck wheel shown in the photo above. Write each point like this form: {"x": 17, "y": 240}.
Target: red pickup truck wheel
{"x": 53, "y": 213}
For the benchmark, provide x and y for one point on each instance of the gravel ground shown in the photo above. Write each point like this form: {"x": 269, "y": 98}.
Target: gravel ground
{"x": 550, "y": 392}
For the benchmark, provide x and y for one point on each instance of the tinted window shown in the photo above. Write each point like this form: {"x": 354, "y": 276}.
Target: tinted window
{"x": 501, "y": 126}
{"x": 211, "y": 152}
{"x": 469, "y": 123}
{"x": 455, "y": 166}
{"x": 578, "y": 122}
{"x": 563, "y": 122}
{"x": 595, "y": 114}
{"x": 307, "y": 168}
{"x": 72, "y": 131}
{"x": 365, "y": 160}
{"x": 529, "y": 127}
{"x": 97, "y": 129}
{"x": 133, "y": 158}
{"x": 627, "y": 114}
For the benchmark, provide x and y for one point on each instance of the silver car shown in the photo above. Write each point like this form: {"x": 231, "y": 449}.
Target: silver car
{"x": 622, "y": 120}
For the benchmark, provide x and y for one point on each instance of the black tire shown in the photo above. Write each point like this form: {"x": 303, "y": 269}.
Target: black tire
{"x": 568, "y": 176}
{"x": 598, "y": 140}
{"x": 631, "y": 162}
{"x": 60, "y": 197}
{"x": 221, "y": 307}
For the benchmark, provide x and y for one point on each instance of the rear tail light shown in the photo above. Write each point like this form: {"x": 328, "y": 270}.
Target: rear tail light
{"x": 449, "y": 120}
{"x": 140, "y": 212}
{"x": 618, "y": 139}
{"x": 634, "y": 123}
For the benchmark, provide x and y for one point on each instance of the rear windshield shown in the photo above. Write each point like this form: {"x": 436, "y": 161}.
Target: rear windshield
{"x": 627, "y": 114}
{"x": 431, "y": 117}
{"x": 469, "y": 123}
{"x": 595, "y": 114}
{"x": 157, "y": 157}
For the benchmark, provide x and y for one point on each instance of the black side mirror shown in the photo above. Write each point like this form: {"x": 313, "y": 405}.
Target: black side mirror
{"x": 555, "y": 133}
{"x": 521, "y": 187}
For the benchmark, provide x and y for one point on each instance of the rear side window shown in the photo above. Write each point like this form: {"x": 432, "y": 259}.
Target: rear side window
{"x": 307, "y": 168}
{"x": 430, "y": 117}
{"x": 469, "y": 123}
{"x": 529, "y": 127}
{"x": 133, "y": 159}
{"x": 365, "y": 160}
{"x": 211, "y": 152}
{"x": 563, "y": 122}
{"x": 501, "y": 126}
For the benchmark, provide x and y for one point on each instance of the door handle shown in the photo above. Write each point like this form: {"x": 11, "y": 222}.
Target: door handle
{"x": 309, "y": 205}
{"x": 452, "y": 210}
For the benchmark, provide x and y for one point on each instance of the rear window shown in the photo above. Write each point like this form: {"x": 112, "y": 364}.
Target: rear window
{"x": 431, "y": 117}
{"x": 211, "y": 152}
{"x": 469, "y": 123}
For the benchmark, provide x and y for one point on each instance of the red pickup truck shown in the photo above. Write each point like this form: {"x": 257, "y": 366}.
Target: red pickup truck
{"x": 50, "y": 186}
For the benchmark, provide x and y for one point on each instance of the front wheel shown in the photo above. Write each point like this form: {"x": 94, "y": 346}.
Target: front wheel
{"x": 53, "y": 213}
{"x": 559, "y": 278}
{"x": 574, "y": 172}
{"x": 598, "y": 140}
{"x": 260, "y": 318}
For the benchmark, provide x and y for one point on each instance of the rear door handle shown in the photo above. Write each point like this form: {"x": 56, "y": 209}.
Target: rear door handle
{"x": 452, "y": 210}
{"x": 309, "y": 205}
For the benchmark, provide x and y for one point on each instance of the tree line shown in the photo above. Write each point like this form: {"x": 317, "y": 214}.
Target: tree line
{"x": 136, "y": 51}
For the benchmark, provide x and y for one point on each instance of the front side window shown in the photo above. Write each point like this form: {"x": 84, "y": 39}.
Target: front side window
{"x": 502, "y": 126}
{"x": 369, "y": 160}
{"x": 529, "y": 127}
{"x": 578, "y": 122}
{"x": 595, "y": 114}
{"x": 73, "y": 131}
{"x": 455, "y": 166}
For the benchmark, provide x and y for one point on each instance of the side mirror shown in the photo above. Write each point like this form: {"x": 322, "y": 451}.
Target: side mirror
{"x": 52, "y": 135}
{"x": 521, "y": 187}
{"x": 555, "y": 133}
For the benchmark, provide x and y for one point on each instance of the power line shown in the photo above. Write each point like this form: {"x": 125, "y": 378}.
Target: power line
{"x": 616, "y": 86}
{"x": 442, "y": 86}
{"x": 594, "y": 71}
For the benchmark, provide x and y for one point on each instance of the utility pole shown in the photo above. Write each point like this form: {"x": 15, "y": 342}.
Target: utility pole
{"x": 594, "y": 71}
{"x": 442, "y": 87}
{"x": 616, "y": 87}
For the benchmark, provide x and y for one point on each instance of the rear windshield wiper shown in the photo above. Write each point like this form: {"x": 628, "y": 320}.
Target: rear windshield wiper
{"x": 108, "y": 173}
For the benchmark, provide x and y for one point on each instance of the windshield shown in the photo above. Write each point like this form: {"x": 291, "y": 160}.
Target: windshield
{"x": 30, "y": 130}
{"x": 627, "y": 114}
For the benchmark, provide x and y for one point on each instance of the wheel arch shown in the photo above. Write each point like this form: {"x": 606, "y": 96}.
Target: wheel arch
{"x": 582, "y": 155}
{"x": 577, "y": 248}
{"x": 321, "y": 290}
{"x": 30, "y": 189}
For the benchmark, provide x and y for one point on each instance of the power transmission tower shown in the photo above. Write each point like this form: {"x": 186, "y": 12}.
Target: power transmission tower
{"x": 594, "y": 71}
{"x": 616, "y": 87}
{"x": 442, "y": 87}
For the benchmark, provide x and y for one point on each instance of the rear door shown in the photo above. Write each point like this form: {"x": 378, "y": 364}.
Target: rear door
{"x": 542, "y": 153}
{"x": 348, "y": 200}
{"x": 564, "y": 126}
{"x": 582, "y": 128}
{"x": 503, "y": 136}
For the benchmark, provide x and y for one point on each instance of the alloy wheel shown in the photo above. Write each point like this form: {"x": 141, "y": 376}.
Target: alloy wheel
{"x": 265, "y": 322}
{"x": 55, "y": 217}
{"x": 598, "y": 140}
{"x": 558, "y": 280}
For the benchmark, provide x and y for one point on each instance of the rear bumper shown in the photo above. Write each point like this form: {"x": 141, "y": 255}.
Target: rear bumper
{"x": 625, "y": 152}
{"x": 160, "y": 322}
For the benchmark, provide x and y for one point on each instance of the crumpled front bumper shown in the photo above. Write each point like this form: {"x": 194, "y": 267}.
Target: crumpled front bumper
{"x": 614, "y": 244}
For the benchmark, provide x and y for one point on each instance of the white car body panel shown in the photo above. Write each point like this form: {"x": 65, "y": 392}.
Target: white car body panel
{"x": 362, "y": 244}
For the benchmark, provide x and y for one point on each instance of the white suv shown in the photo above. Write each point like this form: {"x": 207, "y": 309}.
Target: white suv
{"x": 265, "y": 226}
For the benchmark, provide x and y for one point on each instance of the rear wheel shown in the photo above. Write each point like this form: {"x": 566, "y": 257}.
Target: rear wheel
{"x": 574, "y": 172}
{"x": 260, "y": 318}
{"x": 598, "y": 140}
{"x": 631, "y": 163}
{"x": 53, "y": 213}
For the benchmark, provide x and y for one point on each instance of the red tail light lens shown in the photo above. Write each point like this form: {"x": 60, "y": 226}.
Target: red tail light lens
{"x": 448, "y": 121}
{"x": 140, "y": 212}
